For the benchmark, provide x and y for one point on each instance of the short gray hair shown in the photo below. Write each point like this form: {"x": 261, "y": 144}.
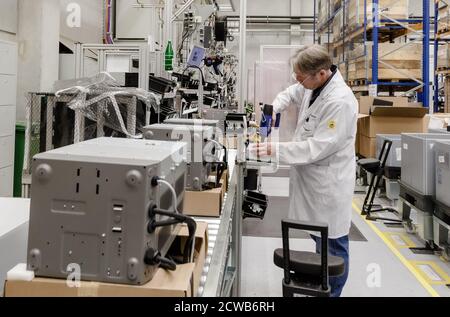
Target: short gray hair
{"x": 311, "y": 60}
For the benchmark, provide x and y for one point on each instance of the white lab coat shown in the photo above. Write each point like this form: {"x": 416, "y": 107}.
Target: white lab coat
{"x": 321, "y": 154}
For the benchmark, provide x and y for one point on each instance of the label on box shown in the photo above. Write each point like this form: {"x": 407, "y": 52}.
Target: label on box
{"x": 373, "y": 90}
{"x": 399, "y": 154}
{"x": 441, "y": 159}
{"x": 405, "y": 146}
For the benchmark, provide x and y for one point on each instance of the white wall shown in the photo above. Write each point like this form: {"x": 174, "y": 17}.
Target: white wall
{"x": 256, "y": 39}
{"x": 8, "y": 20}
{"x": 38, "y": 41}
{"x": 8, "y": 36}
{"x": 275, "y": 8}
{"x": 8, "y": 16}
{"x": 135, "y": 22}
{"x": 91, "y": 30}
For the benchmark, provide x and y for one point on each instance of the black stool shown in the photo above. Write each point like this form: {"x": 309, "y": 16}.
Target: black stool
{"x": 307, "y": 273}
{"x": 376, "y": 167}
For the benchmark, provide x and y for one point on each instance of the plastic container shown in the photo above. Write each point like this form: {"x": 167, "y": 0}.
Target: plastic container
{"x": 19, "y": 158}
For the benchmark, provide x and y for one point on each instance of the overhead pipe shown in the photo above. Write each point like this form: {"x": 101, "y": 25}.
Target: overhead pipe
{"x": 273, "y": 16}
{"x": 108, "y": 38}
{"x": 274, "y": 20}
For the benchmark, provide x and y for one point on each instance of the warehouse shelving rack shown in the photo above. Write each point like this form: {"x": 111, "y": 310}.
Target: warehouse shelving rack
{"x": 382, "y": 28}
{"x": 439, "y": 37}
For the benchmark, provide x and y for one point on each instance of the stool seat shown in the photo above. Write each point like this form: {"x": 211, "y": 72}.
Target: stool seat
{"x": 309, "y": 263}
{"x": 371, "y": 165}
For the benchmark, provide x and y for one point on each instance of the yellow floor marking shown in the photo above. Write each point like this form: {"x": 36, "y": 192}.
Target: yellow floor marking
{"x": 441, "y": 277}
{"x": 414, "y": 271}
{"x": 400, "y": 240}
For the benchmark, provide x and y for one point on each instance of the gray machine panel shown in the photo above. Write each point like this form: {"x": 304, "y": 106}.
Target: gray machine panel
{"x": 217, "y": 114}
{"x": 444, "y": 131}
{"x": 395, "y": 155}
{"x": 197, "y": 122}
{"x": 418, "y": 168}
{"x": 215, "y": 124}
{"x": 442, "y": 149}
{"x": 197, "y": 139}
{"x": 89, "y": 207}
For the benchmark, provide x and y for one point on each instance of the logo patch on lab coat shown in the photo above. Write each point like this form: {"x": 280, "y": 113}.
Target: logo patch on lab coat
{"x": 332, "y": 124}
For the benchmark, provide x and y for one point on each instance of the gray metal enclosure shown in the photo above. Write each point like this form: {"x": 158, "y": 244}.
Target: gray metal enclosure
{"x": 418, "y": 168}
{"x": 443, "y": 131}
{"x": 194, "y": 122}
{"x": 395, "y": 155}
{"x": 215, "y": 124}
{"x": 89, "y": 207}
{"x": 197, "y": 139}
{"x": 443, "y": 172}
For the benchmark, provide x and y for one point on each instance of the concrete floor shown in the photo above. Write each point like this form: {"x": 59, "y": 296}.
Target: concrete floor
{"x": 378, "y": 267}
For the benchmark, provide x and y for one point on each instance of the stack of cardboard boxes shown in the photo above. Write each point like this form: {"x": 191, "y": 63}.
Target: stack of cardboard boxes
{"x": 447, "y": 95}
{"x": 387, "y": 115}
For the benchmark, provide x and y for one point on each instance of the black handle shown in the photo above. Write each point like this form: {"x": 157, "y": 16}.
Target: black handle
{"x": 286, "y": 225}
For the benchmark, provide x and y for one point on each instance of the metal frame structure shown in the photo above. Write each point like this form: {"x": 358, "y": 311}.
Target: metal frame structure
{"x": 35, "y": 102}
{"x": 375, "y": 25}
{"x": 436, "y": 48}
{"x": 140, "y": 51}
{"x": 438, "y": 38}
{"x": 242, "y": 55}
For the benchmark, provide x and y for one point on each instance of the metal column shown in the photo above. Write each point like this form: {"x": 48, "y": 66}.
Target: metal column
{"x": 242, "y": 56}
{"x": 436, "y": 47}
{"x": 376, "y": 23}
{"x": 237, "y": 228}
{"x": 314, "y": 24}
{"x": 426, "y": 53}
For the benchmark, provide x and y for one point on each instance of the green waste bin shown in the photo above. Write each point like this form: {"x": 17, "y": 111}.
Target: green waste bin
{"x": 19, "y": 155}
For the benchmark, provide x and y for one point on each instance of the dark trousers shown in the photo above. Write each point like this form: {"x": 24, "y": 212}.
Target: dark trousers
{"x": 337, "y": 247}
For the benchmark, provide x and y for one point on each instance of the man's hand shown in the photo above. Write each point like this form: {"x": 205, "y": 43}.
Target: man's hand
{"x": 263, "y": 150}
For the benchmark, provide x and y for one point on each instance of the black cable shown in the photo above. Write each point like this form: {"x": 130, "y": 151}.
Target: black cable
{"x": 179, "y": 218}
{"x": 183, "y": 39}
{"x": 153, "y": 257}
{"x": 220, "y": 171}
{"x": 192, "y": 227}
{"x": 225, "y": 155}
{"x": 167, "y": 264}
{"x": 154, "y": 225}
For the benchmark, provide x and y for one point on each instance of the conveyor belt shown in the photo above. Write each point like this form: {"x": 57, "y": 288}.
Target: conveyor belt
{"x": 218, "y": 229}
{"x": 213, "y": 230}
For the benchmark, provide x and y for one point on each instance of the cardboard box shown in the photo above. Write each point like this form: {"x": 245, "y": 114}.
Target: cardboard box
{"x": 357, "y": 149}
{"x": 373, "y": 125}
{"x": 358, "y": 133}
{"x": 207, "y": 203}
{"x": 164, "y": 284}
{"x": 390, "y": 115}
{"x": 184, "y": 282}
{"x": 201, "y": 249}
{"x": 439, "y": 121}
{"x": 367, "y": 103}
{"x": 367, "y": 147}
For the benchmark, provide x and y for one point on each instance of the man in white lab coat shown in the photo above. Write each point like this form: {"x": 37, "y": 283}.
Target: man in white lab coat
{"x": 322, "y": 151}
